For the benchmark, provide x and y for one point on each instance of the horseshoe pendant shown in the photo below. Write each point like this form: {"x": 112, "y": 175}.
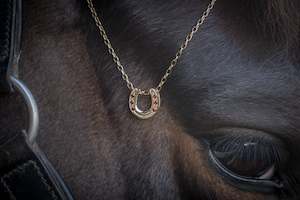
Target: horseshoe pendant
{"x": 155, "y": 103}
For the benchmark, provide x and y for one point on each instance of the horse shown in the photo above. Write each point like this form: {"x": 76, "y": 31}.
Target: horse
{"x": 236, "y": 85}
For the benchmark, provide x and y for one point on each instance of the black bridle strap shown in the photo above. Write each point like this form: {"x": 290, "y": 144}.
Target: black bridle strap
{"x": 25, "y": 172}
{"x": 10, "y": 34}
{"x": 5, "y": 41}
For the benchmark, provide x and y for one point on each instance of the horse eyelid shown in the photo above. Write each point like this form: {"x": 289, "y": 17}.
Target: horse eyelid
{"x": 244, "y": 182}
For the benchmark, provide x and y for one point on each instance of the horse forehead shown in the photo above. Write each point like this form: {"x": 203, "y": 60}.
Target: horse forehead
{"x": 237, "y": 76}
{"x": 232, "y": 78}
{"x": 226, "y": 66}
{"x": 239, "y": 91}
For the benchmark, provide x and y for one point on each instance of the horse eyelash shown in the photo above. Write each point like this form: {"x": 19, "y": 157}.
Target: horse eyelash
{"x": 271, "y": 152}
{"x": 268, "y": 151}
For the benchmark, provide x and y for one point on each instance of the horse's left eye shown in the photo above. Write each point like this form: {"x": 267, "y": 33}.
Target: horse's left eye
{"x": 245, "y": 159}
{"x": 249, "y": 162}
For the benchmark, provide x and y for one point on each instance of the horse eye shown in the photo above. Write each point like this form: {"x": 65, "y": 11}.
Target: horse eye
{"x": 245, "y": 160}
{"x": 248, "y": 162}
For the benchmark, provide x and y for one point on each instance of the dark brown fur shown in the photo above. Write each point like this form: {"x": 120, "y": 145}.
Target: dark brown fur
{"x": 101, "y": 150}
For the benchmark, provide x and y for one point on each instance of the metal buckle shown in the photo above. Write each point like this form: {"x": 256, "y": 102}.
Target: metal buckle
{"x": 32, "y": 130}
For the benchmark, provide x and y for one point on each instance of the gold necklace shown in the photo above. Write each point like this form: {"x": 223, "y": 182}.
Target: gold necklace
{"x": 153, "y": 92}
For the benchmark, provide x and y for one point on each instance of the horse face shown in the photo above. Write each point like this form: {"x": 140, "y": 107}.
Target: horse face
{"x": 231, "y": 113}
{"x": 229, "y": 118}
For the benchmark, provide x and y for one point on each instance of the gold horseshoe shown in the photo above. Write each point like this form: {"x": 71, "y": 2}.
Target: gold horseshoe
{"x": 144, "y": 114}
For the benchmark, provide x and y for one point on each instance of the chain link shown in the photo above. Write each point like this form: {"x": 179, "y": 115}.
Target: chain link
{"x": 173, "y": 62}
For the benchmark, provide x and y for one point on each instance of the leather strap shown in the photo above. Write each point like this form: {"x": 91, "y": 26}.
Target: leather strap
{"x": 25, "y": 173}
{"x": 5, "y": 40}
{"x": 10, "y": 35}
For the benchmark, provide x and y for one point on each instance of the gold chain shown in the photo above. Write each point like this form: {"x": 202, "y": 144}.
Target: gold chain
{"x": 173, "y": 62}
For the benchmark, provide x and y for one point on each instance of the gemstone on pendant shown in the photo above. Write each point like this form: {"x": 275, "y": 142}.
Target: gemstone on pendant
{"x": 144, "y": 114}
